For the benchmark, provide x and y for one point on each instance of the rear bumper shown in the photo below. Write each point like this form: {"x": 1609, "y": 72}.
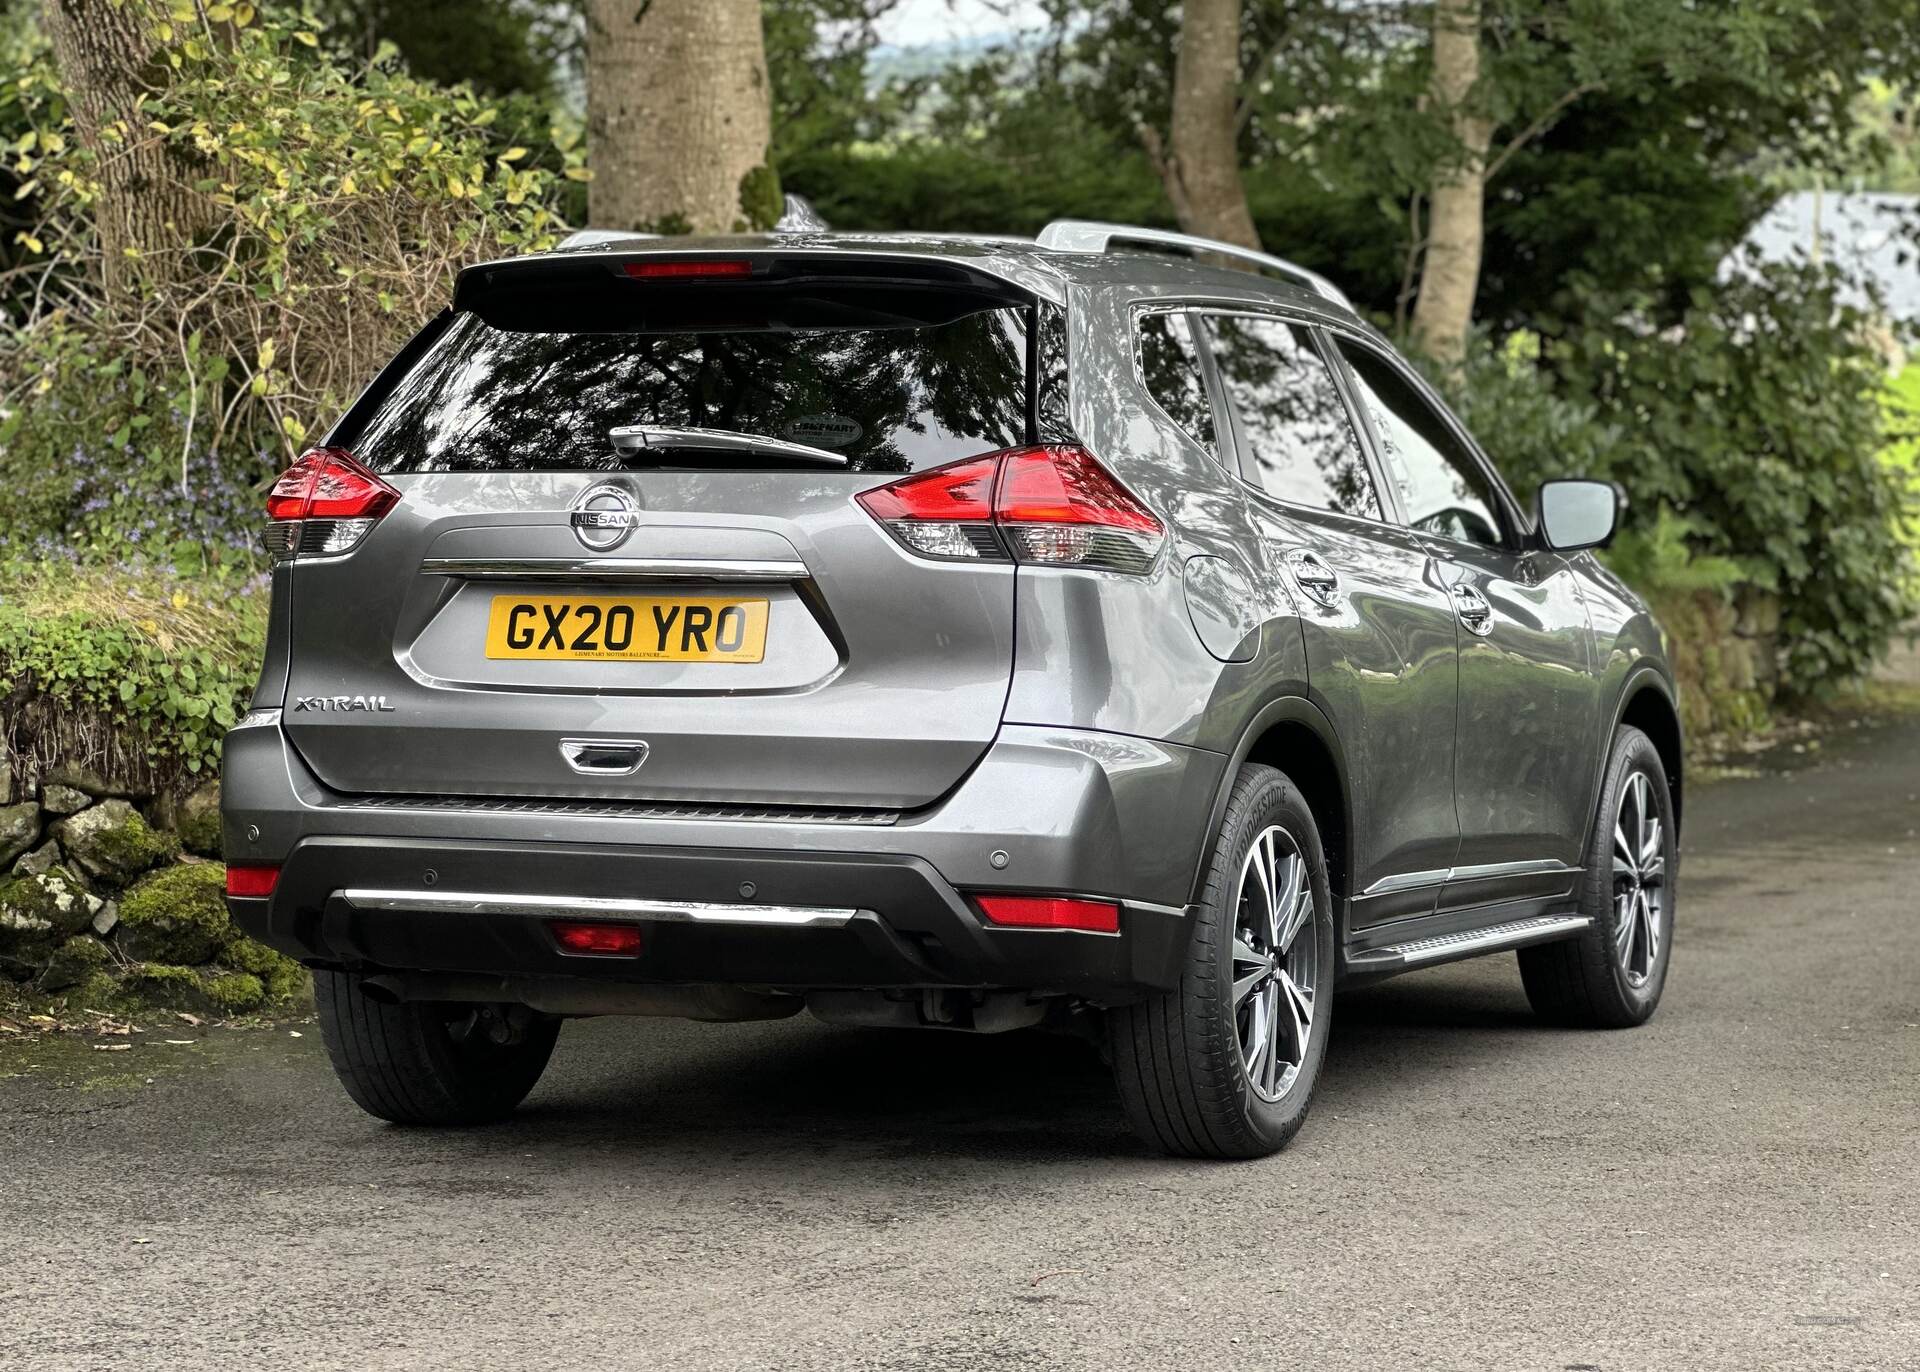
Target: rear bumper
{"x": 448, "y": 890}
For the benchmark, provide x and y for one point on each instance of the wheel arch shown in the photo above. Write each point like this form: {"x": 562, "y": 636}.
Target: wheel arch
{"x": 1647, "y": 703}
{"x": 1292, "y": 735}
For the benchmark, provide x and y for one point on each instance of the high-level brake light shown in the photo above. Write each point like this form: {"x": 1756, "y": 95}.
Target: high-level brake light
{"x": 694, "y": 269}
{"x": 1049, "y": 503}
{"x": 324, "y": 504}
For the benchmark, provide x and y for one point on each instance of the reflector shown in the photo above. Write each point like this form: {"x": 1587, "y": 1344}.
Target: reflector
{"x": 1051, "y": 912}
{"x": 252, "y": 879}
{"x": 597, "y": 937}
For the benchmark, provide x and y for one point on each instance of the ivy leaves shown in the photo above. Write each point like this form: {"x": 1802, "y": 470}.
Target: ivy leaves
{"x": 172, "y": 666}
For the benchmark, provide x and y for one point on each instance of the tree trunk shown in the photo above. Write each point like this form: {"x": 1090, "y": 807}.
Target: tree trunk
{"x": 678, "y": 117}
{"x": 1456, "y": 217}
{"x": 1201, "y": 169}
{"x": 149, "y": 215}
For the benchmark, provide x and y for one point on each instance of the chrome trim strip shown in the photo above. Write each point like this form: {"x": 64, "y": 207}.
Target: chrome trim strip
{"x": 1408, "y": 881}
{"x": 1541, "y": 867}
{"x": 670, "y": 911}
{"x": 617, "y": 568}
{"x": 1445, "y": 947}
{"x": 1180, "y": 910}
{"x": 1440, "y": 876}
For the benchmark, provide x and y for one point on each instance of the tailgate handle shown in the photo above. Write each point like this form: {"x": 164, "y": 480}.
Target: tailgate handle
{"x": 604, "y": 757}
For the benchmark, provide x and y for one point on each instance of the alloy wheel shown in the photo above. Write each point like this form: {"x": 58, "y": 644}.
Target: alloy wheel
{"x": 1639, "y": 880}
{"x": 1276, "y": 962}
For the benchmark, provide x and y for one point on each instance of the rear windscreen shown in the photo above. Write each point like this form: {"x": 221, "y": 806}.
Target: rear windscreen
{"x": 894, "y": 398}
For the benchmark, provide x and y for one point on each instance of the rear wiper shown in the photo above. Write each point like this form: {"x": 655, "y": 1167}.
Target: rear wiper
{"x": 629, "y": 440}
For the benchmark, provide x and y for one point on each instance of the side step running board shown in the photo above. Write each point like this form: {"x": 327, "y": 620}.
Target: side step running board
{"x": 1468, "y": 943}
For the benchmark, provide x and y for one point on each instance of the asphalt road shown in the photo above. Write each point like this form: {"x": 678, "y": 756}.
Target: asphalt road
{"x": 1730, "y": 1187}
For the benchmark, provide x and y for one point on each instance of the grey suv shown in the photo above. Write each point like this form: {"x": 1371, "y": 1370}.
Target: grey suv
{"x": 960, "y": 633}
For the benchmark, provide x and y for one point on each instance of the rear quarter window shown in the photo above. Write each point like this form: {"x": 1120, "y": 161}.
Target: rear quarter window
{"x": 1170, "y": 368}
{"x": 894, "y": 399}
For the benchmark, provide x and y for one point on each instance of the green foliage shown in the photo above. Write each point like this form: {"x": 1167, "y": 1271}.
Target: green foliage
{"x": 155, "y": 674}
{"x": 1902, "y": 453}
{"x": 343, "y": 202}
{"x": 760, "y": 198}
{"x": 499, "y": 47}
{"x": 1663, "y": 558}
{"x": 1750, "y": 432}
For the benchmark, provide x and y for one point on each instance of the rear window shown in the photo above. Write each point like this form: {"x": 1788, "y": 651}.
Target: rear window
{"x": 893, "y": 398}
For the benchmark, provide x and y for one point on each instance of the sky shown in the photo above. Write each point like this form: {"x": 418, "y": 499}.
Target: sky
{"x": 914, "y": 22}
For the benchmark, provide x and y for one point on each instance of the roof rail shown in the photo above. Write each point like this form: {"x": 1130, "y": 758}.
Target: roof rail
{"x": 1086, "y": 235}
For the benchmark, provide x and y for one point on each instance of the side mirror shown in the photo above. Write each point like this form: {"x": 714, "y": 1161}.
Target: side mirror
{"x": 1578, "y": 514}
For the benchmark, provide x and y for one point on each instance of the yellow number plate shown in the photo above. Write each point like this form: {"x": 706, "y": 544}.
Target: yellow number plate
{"x": 617, "y": 628}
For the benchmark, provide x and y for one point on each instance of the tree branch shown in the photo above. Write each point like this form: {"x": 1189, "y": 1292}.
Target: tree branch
{"x": 1538, "y": 126}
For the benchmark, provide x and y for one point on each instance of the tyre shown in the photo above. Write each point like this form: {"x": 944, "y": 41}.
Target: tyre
{"x": 418, "y": 1062}
{"x": 1225, "y": 1065}
{"x": 1611, "y": 975}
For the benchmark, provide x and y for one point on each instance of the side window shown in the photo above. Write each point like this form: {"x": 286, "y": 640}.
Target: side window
{"x": 1300, "y": 439}
{"x": 1439, "y": 483}
{"x": 1170, "y": 367}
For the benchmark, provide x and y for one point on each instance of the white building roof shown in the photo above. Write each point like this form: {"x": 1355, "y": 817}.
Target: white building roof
{"x": 1868, "y": 233}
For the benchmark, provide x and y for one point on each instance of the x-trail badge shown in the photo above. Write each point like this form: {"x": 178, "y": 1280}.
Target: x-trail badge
{"x": 604, "y": 515}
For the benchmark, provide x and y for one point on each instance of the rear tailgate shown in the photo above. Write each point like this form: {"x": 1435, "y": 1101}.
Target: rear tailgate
{"x": 742, "y": 632}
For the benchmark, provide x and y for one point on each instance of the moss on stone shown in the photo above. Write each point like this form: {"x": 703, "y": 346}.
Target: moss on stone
{"x": 207, "y": 991}
{"x": 74, "y": 961}
{"x": 172, "y": 988}
{"x": 99, "y": 991}
{"x": 178, "y": 915}
{"x": 199, "y": 821}
{"x": 233, "y": 993}
{"x": 283, "y": 979}
{"x": 37, "y": 914}
{"x": 111, "y": 842}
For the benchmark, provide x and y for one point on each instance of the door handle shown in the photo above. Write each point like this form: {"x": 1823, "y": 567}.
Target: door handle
{"x": 1317, "y": 581}
{"x": 1475, "y": 615}
{"x": 604, "y": 757}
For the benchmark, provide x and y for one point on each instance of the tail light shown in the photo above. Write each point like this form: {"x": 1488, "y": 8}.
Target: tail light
{"x": 323, "y": 505}
{"x": 1051, "y": 912}
{"x": 1052, "y": 504}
